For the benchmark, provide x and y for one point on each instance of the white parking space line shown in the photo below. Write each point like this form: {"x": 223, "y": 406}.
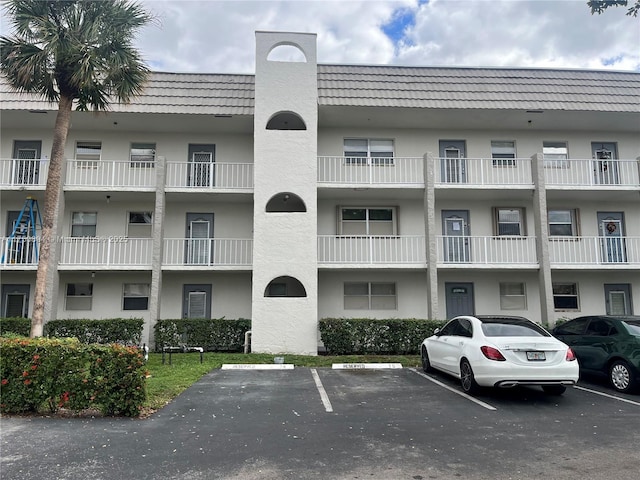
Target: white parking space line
{"x": 323, "y": 392}
{"x": 596, "y": 392}
{"x": 462, "y": 394}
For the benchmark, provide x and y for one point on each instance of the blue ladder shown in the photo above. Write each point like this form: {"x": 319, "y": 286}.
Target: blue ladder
{"x": 23, "y": 241}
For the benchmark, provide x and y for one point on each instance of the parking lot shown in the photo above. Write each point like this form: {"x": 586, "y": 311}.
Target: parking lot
{"x": 308, "y": 423}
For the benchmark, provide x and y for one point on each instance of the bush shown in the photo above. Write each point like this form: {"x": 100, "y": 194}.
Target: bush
{"x": 55, "y": 373}
{"x": 216, "y": 334}
{"x": 365, "y": 336}
{"x": 125, "y": 331}
{"x": 17, "y": 326}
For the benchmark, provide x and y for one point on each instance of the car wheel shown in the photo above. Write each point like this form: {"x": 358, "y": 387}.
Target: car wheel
{"x": 621, "y": 377}
{"x": 554, "y": 389}
{"x": 426, "y": 364}
{"x": 467, "y": 380}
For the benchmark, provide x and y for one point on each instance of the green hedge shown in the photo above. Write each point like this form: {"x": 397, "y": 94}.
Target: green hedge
{"x": 364, "y": 336}
{"x": 216, "y": 334}
{"x": 17, "y": 326}
{"x": 44, "y": 373}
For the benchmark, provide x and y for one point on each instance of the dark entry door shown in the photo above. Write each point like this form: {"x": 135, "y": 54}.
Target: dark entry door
{"x": 196, "y": 301}
{"x": 459, "y": 297}
{"x": 15, "y": 301}
{"x": 26, "y": 162}
{"x": 617, "y": 299}
{"x": 199, "y": 233}
{"x": 605, "y": 166}
{"x": 455, "y": 228}
{"x": 612, "y": 241}
{"x": 201, "y": 169}
{"x": 453, "y": 166}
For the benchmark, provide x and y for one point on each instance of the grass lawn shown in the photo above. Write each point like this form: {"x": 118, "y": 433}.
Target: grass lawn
{"x": 167, "y": 381}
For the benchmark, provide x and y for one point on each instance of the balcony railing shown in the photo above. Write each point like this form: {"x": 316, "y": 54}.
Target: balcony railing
{"x": 109, "y": 174}
{"x": 18, "y": 252}
{"x": 464, "y": 172}
{"x": 209, "y": 175}
{"x": 334, "y": 249}
{"x": 370, "y": 170}
{"x": 500, "y": 250}
{"x": 594, "y": 251}
{"x": 23, "y": 173}
{"x": 207, "y": 252}
{"x": 107, "y": 252}
{"x": 592, "y": 173}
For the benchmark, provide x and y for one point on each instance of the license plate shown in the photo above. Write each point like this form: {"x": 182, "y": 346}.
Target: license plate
{"x": 536, "y": 356}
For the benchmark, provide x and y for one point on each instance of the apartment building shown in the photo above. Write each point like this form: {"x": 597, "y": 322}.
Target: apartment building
{"x": 308, "y": 191}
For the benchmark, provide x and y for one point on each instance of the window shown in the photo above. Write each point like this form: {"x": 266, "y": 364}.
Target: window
{"x": 555, "y": 154}
{"x": 509, "y": 221}
{"x": 370, "y": 296}
{"x": 368, "y": 152}
{"x": 83, "y": 224}
{"x": 503, "y": 153}
{"x": 139, "y": 225}
{"x": 367, "y": 221}
{"x": 562, "y": 223}
{"x": 88, "y": 154}
{"x": 565, "y": 296}
{"x": 79, "y": 296}
{"x": 135, "y": 296}
{"x": 276, "y": 290}
{"x": 513, "y": 296}
{"x": 142, "y": 155}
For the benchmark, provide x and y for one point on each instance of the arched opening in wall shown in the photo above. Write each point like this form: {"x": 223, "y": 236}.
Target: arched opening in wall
{"x": 286, "y": 121}
{"x": 285, "y": 286}
{"x": 287, "y": 52}
{"x": 286, "y": 202}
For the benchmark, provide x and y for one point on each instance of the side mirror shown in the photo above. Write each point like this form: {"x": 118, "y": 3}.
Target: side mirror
{"x": 436, "y": 331}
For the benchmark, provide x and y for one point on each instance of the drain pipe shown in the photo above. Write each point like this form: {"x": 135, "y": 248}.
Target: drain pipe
{"x": 247, "y": 341}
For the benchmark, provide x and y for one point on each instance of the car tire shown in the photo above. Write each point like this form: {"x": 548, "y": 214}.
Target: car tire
{"x": 621, "y": 377}
{"x": 426, "y": 363}
{"x": 467, "y": 379}
{"x": 554, "y": 389}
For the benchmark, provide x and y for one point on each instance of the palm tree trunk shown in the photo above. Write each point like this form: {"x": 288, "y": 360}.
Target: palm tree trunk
{"x": 46, "y": 261}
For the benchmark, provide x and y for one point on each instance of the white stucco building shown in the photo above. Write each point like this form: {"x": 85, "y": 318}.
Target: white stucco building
{"x": 308, "y": 191}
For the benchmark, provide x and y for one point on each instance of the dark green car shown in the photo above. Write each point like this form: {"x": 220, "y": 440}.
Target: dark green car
{"x": 606, "y": 344}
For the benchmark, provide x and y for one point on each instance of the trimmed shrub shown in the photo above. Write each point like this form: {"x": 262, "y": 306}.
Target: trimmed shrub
{"x": 125, "y": 331}
{"x": 15, "y": 325}
{"x": 216, "y": 334}
{"x": 365, "y": 336}
{"x": 43, "y": 373}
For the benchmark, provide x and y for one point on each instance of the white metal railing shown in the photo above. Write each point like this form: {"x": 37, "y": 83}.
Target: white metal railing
{"x": 209, "y": 175}
{"x": 367, "y": 170}
{"x": 371, "y": 249}
{"x": 594, "y": 250}
{"x": 208, "y": 252}
{"x": 483, "y": 171}
{"x": 591, "y": 172}
{"x": 23, "y": 172}
{"x": 498, "y": 250}
{"x": 19, "y": 251}
{"x": 105, "y": 251}
{"x": 110, "y": 174}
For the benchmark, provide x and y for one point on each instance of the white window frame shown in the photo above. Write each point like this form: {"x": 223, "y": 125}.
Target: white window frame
{"x": 142, "y": 155}
{"x": 81, "y": 299}
{"x": 560, "y": 285}
{"x": 513, "y": 296}
{"x": 370, "y": 300}
{"x": 88, "y": 154}
{"x": 75, "y": 216}
{"x": 367, "y": 221}
{"x": 573, "y": 221}
{"x": 128, "y": 292}
{"x": 139, "y": 229}
{"x": 503, "y": 153}
{"x": 368, "y": 151}
{"x": 521, "y": 221}
{"x": 555, "y": 154}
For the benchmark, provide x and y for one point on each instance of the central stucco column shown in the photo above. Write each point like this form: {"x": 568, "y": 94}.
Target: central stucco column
{"x": 157, "y": 251}
{"x": 433, "y": 310}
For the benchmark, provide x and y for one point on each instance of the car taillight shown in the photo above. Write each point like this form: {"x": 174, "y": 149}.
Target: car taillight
{"x": 492, "y": 354}
{"x": 570, "y": 355}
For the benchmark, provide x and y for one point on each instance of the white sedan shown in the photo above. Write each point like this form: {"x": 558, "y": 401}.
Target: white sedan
{"x": 500, "y": 351}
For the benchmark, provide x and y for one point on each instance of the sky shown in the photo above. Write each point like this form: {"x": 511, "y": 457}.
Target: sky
{"x": 215, "y": 36}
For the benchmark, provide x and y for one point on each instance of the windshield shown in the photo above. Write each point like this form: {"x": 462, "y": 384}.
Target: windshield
{"x": 512, "y": 328}
{"x": 633, "y": 326}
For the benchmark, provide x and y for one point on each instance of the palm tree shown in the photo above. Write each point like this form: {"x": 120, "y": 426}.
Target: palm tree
{"x": 70, "y": 51}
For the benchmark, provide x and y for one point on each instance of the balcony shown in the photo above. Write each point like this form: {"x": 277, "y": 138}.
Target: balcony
{"x": 506, "y": 173}
{"x": 109, "y": 175}
{"x": 592, "y": 174}
{"x": 351, "y": 172}
{"x": 105, "y": 253}
{"x": 23, "y": 174}
{"x": 205, "y": 253}
{"x": 501, "y": 251}
{"x": 599, "y": 252}
{"x": 209, "y": 176}
{"x": 19, "y": 253}
{"x": 371, "y": 250}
